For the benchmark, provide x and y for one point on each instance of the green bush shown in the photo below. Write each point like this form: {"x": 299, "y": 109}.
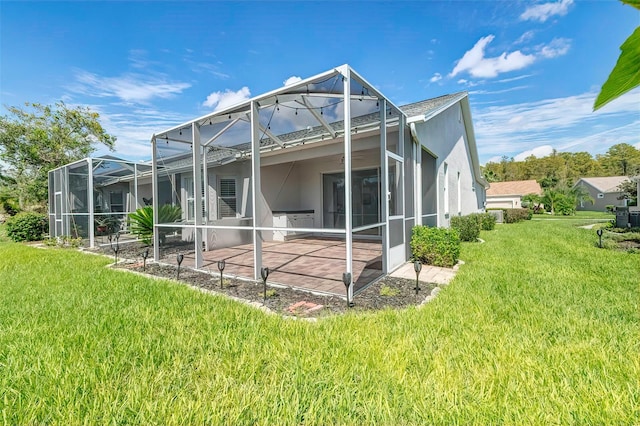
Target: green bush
{"x": 27, "y": 226}
{"x": 517, "y": 215}
{"x": 141, "y": 222}
{"x": 468, "y": 227}
{"x": 487, "y": 221}
{"x": 435, "y": 246}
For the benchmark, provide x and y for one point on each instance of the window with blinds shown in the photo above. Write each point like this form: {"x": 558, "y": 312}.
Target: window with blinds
{"x": 227, "y": 199}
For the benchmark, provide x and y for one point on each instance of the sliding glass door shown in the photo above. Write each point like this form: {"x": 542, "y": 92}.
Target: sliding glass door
{"x": 365, "y": 188}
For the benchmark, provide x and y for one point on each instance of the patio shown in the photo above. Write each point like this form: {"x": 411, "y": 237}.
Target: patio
{"x": 314, "y": 264}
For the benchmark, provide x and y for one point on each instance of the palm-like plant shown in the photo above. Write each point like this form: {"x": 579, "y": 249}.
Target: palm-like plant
{"x": 141, "y": 221}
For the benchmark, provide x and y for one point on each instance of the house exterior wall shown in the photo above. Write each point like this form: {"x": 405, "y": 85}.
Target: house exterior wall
{"x": 445, "y": 137}
{"x": 600, "y": 200}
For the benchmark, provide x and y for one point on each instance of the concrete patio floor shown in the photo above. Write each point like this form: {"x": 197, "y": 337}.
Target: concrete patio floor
{"x": 314, "y": 264}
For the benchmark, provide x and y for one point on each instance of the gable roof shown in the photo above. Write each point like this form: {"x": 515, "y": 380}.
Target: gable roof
{"x": 604, "y": 184}
{"x": 515, "y": 187}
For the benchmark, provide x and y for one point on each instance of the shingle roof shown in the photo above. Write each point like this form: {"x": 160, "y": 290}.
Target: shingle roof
{"x": 605, "y": 184}
{"x": 515, "y": 187}
{"x": 428, "y": 105}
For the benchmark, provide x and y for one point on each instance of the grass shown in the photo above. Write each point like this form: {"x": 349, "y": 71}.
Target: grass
{"x": 539, "y": 327}
{"x": 580, "y": 215}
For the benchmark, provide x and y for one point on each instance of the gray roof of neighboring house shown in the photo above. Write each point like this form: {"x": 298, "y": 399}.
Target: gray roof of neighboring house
{"x": 604, "y": 184}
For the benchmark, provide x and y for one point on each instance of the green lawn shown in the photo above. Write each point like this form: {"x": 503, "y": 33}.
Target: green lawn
{"x": 539, "y": 327}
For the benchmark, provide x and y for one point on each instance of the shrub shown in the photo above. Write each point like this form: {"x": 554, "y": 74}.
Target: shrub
{"x": 468, "y": 227}
{"x": 517, "y": 215}
{"x": 610, "y": 208}
{"x": 27, "y": 227}
{"x": 487, "y": 221}
{"x": 142, "y": 221}
{"x": 435, "y": 246}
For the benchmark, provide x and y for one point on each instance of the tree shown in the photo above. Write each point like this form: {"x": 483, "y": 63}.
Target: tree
{"x": 629, "y": 189}
{"x": 626, "y": 73}
{"x": 621, "y": 160}
{"x": 39, "y": 138}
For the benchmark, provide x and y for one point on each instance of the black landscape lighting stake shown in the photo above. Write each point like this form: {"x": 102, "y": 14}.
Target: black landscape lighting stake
{"x": 145, "y": 254}
{"x": 116, "y": 247}
{"x": 264, "y": 273}
{"x": 179, "y": 258}
{"x": 221, "y": 265}
{"x": 417, "y": 266}
{"x": 599, "y": 232}
{"x": 346, "y": 279}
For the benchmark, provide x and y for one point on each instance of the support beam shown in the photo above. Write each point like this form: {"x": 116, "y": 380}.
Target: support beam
{"x": 305, "y": 103}
{"x": 92, "y": 212}
{"x": 384, "y": 185}
{"x": 221, "y": 132}
{"x": 271, "y": 135}
{"x": 154, "y": 195}
{"x": 255, "y": 188}
{"x": 348, "y": 196}
{"x": 196, "y": 150}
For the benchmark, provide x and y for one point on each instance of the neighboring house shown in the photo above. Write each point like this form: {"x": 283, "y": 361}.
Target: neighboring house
{"x": 508, "y": 195}
{"x": 604, "y": 191}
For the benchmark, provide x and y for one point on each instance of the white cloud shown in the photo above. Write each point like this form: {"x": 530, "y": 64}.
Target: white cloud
{"x": 475, "y": 62}
{"x": 557, "y": 47}
{"x": 477, "y": 65}
{"x": 130, "y": 88}
{"x": 291, "y": 80}
{"x": 563, "y": 123}
{"x": 525, "y": 37}
{"x": 436, "y": 77}
{"x": 544, "y": 11}
{"x": 539, "y": 152}
{"x": 221, "y": 100}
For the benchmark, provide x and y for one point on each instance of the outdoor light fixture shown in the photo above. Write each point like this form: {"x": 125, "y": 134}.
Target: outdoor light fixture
{"x": 116, "y": 247}
{"x": 417, "y": 266}
{"x": 145, "y": 254}
{"x": 599, "y": 232}
{"x": 264, "y": 273}
{"x": 346, "y": 279}
{"x": 179, "y": 258}
{"x": 221, "y": 265}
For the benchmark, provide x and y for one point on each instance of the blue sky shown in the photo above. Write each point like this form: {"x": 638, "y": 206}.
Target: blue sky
{"x": 532, "y": 68}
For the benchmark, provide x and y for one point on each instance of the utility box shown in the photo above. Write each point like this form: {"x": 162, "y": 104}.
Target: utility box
{"x": 634, "y": 219}
{"x": 622, "y": 217}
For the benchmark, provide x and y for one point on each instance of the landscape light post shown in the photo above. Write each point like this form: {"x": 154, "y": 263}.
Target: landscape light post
{"x": 116, "y": 247}
{"x": 264, "y": 273}
{"x": 221, "y": 265}
{"x": 179, "y": 258}
{"x": 599, "y": 232}
{"x": 145, "y": 255}
{"x": 417, "y": 266}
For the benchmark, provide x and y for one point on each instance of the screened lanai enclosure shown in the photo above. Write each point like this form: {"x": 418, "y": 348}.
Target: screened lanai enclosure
{"x": 90, "y": 198}
{"x": 307, "y": 180}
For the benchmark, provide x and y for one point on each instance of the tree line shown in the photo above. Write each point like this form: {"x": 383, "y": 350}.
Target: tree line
{"x": 565, "y": 168}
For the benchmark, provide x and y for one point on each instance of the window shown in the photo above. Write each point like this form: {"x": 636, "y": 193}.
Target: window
{"x": 446, "y": 189}
{"x": 227, "y": 199}
{"x": 187, "y": 183}
{"x": 459, "y": 196}
{"x": 116, "y": 201}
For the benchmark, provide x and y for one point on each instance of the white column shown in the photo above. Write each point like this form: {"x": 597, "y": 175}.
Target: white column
{"x": 348, "y": 196}
{"x": 384, "y": 185}
{"x": 92, "y": 238}
{"x": 205, "y": 182}
{"x": 255, "y": 188}
{"x": 154, "y": 195}
{"x": 136, "y": 204}
{"x": 196, "y": 150}
{"x": 418, "y": 182}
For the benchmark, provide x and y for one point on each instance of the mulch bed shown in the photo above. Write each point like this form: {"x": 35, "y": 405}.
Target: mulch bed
{"x": 386, "y": 293}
